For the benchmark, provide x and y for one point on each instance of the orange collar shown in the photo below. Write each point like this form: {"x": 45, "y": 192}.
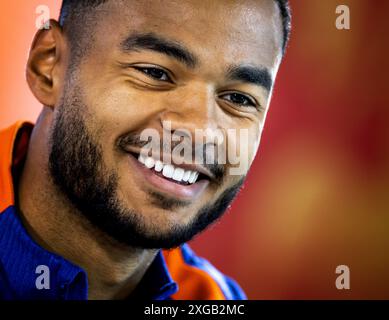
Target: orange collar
{"x": 13, "y": 148}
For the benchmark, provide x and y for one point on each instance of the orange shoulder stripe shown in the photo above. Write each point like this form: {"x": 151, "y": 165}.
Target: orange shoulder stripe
{"x": 193, "y": 283}
{"x": 7, "y": 139}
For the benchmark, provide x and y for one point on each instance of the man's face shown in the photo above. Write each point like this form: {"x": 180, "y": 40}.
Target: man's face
{"x": 171, "y": 66}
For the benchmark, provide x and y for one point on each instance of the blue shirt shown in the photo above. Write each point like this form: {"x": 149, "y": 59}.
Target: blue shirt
{"x": 20, "y": 257}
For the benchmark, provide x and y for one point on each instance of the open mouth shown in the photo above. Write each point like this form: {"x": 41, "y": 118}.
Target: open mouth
{"x": 182, "y": 181}
{"x": 171, "y": 172}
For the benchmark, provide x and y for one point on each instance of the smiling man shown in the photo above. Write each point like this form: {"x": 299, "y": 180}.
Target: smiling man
{"x": 87, "y": 212}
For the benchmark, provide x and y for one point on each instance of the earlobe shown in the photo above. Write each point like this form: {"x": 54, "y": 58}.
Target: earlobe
{"x": 44, "y": 64}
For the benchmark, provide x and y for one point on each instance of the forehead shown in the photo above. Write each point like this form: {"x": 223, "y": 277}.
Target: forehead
{"x": 223, "y": 31}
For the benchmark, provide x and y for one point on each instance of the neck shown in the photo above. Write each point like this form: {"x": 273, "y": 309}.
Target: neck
{"x": 113, "y": 269}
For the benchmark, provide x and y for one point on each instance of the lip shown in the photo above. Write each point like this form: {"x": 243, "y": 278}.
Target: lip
{"x": 183, "y": 192}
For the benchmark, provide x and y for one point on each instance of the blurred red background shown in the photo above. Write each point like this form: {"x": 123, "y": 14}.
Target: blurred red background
{"x": 318, "y": 193}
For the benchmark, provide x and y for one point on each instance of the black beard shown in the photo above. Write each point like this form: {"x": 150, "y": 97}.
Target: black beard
{"x": 78, "y": 170}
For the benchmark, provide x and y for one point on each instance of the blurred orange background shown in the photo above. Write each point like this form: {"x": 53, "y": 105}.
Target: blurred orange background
{"x": 318, "y": 193}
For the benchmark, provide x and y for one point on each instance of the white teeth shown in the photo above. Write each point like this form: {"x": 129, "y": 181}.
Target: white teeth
{"x": 141, "y": 159}
{"x": 178, "y": 174}
{"x": 158, "y": 166}
{"x": 186, "y": 175}
{"x": 149, "y": 162}
{"x": 193, "y": 177}
{"x": 197, "y": 175}
{"x": 168, "y": 170}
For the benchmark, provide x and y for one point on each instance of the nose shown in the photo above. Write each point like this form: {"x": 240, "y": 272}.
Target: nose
{"x": 192, "y": 114}
{"x": 190, "y": 109}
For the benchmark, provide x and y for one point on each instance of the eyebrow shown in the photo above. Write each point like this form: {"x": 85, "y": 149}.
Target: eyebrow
{"x": 150, "y": 41}
{"x": 255, "y": 75}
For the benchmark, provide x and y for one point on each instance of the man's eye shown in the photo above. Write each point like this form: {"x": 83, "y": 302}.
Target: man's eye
{"x": 155, "y": 73}
{"x": 239, "y": 99}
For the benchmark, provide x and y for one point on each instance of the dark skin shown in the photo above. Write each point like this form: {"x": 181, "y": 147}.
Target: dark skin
{"x": 122, "y": 96}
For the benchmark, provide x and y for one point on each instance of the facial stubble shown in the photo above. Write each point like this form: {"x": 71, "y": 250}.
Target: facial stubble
{"x": 77, "y": 169}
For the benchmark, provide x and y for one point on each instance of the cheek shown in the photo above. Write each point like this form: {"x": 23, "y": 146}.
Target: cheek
{"x": 117, "y": 106}
{"x": 255, "y": 142}
{"x": 242, "y": 147}
{"x": 119, "y": 110}
{"x": 116, "y": 112}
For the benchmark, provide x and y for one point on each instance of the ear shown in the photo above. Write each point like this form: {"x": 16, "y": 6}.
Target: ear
{"x": 46, "y": 64}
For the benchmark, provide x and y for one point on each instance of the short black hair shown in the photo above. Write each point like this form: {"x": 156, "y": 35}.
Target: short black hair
{"x": 286, "y": 17}
{"x": 75, "y": 10}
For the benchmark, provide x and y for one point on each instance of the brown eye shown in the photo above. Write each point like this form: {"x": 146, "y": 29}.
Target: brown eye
{"x": 155, "y": 73}
{"x": 239, "y": 99}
